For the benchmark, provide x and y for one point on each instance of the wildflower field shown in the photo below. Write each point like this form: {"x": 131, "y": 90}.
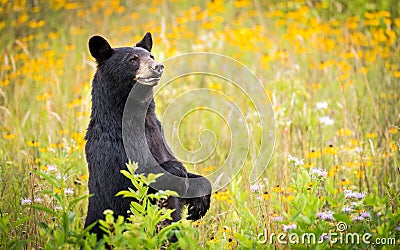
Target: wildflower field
{"x": 331, "y": 70}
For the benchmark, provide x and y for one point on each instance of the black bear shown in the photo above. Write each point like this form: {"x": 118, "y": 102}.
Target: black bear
{"x": 120, "y": 70}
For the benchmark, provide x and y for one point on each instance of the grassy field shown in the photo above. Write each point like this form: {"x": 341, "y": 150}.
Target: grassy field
{"x": 331, "y": 70}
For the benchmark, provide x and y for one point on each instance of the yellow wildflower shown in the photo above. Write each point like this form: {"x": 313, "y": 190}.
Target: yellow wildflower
{"x": 359, "y": 173}
{"x": 69, "y": 47}
{"x": 198, "y": 223}
{"x": 4, "y": 82}
{"x": 63, "y": 131}
{"x": 276, "y": 189}
{"x": 53, "y": 35}
{"x": 289, "y": 189}
{"x": 351, "y": 164}
{"x": 36, "y": 24}
{"x": 222, "y": 196}
{"x": 226, "y": 229}
{"x": 309, "y": 165}
{"x": 313, "y": 154}
{"x": 354, "y": 142}
{"x": 330, "y": 150}
{"x": 215, "y": 86}
{"x": 57, "y": 190}
{"x": 344, "y": 132}
{"x": 363, "y": 70}
{"x": 371, "y": 135}
{"x": 9, "y": 136}
{"x": 241, "y": 3}
{"x": 71, "y": 5}
{"x": 84, "y": 177}
{"x": 393, "y": 146}
{"x": 290, "y": 197}
{"x": 44, "y": 96}
{"x": 32, "y": 143}
{"x": 393, "y": 130}
{"x": 208, "y": 169}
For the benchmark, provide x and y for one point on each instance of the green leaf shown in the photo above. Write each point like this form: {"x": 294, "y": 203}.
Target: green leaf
{"x": 127, "y": 174}
{"x": 17, "y": 244}
{"x": 44, "y": 225}
{"x": 152, "y": 178}
{"x": 65, "y": 222}
{"x": 379, "y": 230}
{"x": 104, "y": 224}
{"x": 137, "y": 207}
{"x": 75, "y": 201}
{"x": 44, "y": 209}
{"x": 171, "y": 193}
{"x": 120, "y": 220}
{"x": 53, "y": 180}
{"x": 126, "y": 193}
{"x": 48, "y": 192}
{"x": 252, "y": 218}
{"x": 137, "y": 182}
{"x": 132, "y": 166}
{"x": 58, "y": 198}
{"x": 331, "y": 200}
{"x": 163, "y": 233}
{"x": 142, "y": 192}
{"x": 304, "y": 219}
{"x": 71, "y": 216}
{"x": 329, "y": 186}
{"x": 296, "y": 215}
{"x": 88, "y": 228}
{"x": 342, "y": 217}
{"x": 21, "y": 221}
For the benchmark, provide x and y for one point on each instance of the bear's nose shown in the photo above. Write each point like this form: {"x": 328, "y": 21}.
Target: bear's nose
{"x": 157, "y": 68}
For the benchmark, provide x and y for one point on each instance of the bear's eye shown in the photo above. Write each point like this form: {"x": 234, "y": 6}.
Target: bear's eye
{"x": 152, "y": 57}
{"x": 133, "y": 59}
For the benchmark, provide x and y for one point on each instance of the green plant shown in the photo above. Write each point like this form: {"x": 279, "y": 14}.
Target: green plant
{"x": 149, "y": 226}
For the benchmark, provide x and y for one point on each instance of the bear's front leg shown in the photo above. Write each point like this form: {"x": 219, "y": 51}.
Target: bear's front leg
{"x": 198, "y": 206}
{"x": 178, "y": 179}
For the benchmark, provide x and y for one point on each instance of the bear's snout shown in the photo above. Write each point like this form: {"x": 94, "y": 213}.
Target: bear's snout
{"x": 157, "y": 68}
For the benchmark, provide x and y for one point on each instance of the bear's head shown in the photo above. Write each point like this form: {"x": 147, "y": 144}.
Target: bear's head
{"x": 123, "y": 67}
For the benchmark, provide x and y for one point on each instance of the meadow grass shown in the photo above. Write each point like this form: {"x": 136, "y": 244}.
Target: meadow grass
{"x": 331, "y": 70}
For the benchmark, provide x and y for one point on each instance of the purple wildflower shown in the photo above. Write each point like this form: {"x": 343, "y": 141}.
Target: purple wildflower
{"x": 324, "y": 236}
{"x": 365, "y": 215}
{"x": 26, "y": 201}
{"x": 353, "y": 195}
{"x": 289, "y": 227}
{"x": 327, "y": 215}
{"x": 68, "y": 191}
{"x": 318, "y": 172}
{"x": 255, "y": 187}
{"x": 347, "y": 209}
{"x": 277, "y": 218}
{"x": 51, "y": 168}
{"x": 295, "y": 160}
{"x": 358, "y": 218}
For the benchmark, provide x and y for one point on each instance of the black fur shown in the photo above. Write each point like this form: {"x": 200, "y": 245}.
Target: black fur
{"x": 155, "y": 138}
{"x": 105, "y": 151}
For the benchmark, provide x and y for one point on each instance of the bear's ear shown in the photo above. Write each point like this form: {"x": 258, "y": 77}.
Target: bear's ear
{"x": 146, "y": 42}
{"x": 100, "y": 48}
